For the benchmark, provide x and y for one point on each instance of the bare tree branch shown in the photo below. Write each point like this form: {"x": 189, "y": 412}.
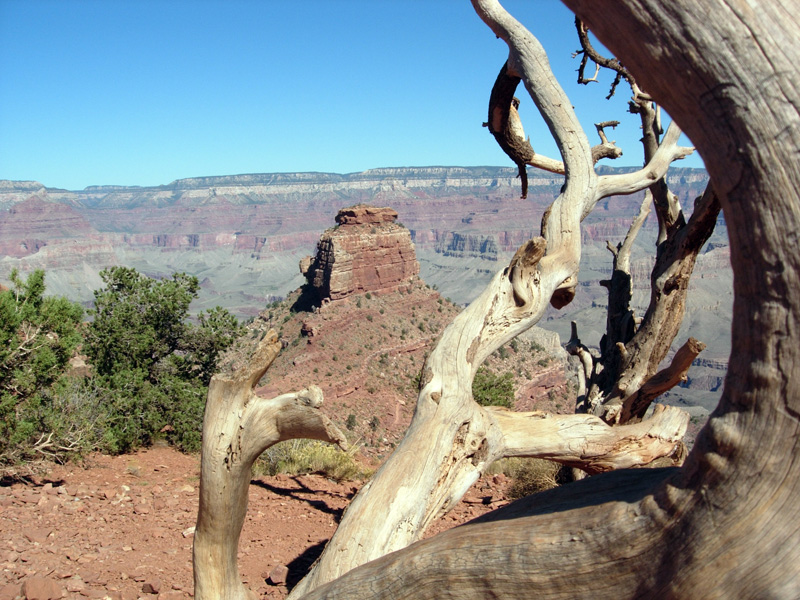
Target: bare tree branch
{"x": 588, "y": 51}
{"x": 587, "y": 442}
{"x": 621, "y": 321}
{"x": 238, "y": 426}
{"x": 456, "y": 437}
{"x": 662, "y": 320}
{"x": 635, "y": 405}
{"x": 506, "y": 126}
{"x": 672, "y": 533}
{"x": 629, "y": 183}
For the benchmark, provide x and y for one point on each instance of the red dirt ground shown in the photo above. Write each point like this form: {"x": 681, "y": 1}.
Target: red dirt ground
{"x": 121, "y": 527}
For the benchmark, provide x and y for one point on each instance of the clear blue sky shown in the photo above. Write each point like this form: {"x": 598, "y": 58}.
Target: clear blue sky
{"x": 143, "y": 92}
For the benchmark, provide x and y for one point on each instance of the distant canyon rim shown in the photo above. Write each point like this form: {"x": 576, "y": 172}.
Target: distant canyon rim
{"x": 244, "y": 236}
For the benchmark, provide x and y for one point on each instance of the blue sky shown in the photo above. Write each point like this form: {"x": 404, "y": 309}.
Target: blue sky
{"x": 143, "y": 92}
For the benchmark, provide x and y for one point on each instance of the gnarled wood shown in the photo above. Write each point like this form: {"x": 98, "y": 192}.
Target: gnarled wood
{"x": 631, "y": 348}
{"x": 589, "y": 443}
{"x": 635, "y": 405}
{"x": 630, "y": 361}
{"x": 506, "y": 126}
{"x": 451, "y": 439}
{"x": 725, "y": 525}
{"x": 237, "y": 427}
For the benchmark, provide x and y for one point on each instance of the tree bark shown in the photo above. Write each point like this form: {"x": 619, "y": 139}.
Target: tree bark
{"x": 726, "y": 523}
{"x": 631, "y": 354}
{"x": 237, "y": 427}
{"x": 632, "y": 349}
{"x": 451, "y": 439}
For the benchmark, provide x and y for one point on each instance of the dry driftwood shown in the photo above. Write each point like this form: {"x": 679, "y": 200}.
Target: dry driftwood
{"x": 237, "y": 427}
{"x": 725, "y": 524}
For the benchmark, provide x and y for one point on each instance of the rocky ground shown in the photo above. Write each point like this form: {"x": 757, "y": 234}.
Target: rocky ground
{"x": 366, "y": 352}
{"x": 122, "y": 528}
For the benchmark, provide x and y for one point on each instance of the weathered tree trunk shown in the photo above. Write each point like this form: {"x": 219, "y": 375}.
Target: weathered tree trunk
{"x": 632, "y": 349}
{"x": 725, "y": 525}
{"x": 451, "y": 439}
{"x": 237, "y": 427}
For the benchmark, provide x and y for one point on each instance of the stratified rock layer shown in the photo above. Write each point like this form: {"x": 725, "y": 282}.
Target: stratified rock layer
{"x": 366, "y": 252}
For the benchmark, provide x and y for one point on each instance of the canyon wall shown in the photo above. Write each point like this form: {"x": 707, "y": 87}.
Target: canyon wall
{"x": 243, "y": 236}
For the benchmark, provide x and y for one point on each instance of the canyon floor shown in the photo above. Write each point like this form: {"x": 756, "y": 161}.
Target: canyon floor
{"x": 122, "y": 527}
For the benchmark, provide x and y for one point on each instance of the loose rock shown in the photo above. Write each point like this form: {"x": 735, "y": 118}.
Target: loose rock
{"x": 151, "y": 586}
{"x": 41, "y": 588}
{"x": 277, "y": 576}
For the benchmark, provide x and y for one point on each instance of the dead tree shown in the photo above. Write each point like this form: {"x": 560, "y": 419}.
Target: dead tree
{"x": 237, "y": 427}
{"x": 725, "y": 524}
{"x": 456, "y": 438}
{"x": 620, "y": 384}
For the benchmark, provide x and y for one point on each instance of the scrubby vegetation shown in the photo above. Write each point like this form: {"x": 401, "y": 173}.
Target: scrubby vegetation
{"x": 38, "y": 336}
{"x": 530, "y": 475}
{"x": 492, "y": 389}
{"x": 300, "y": 456}
{"x": 149, "y": 362}
{"x": 149, "y": 366}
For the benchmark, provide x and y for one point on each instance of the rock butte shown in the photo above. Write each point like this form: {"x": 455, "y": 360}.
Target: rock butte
{"x": 366, "y": 252}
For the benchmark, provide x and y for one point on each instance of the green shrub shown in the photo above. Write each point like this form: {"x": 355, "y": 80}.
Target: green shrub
{"x": 490, "y": 389}
{"x": 151, "y": 366}
{"x": 61, "y": 422}
{"x": 38, "y": 336}
{"x": 416, "y": 381}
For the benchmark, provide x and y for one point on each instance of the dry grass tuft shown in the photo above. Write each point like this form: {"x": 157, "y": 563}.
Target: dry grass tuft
{"x": 529, "y": 475}
{"x": 300, "y": 457}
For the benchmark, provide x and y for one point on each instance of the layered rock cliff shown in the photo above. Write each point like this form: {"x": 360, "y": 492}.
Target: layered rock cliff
{"x": 366, "y": 252}
{"x": 32, "y": 224}
{"x": 243, "y": 236}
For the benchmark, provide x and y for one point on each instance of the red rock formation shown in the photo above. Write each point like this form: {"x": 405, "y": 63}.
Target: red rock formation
{"x": 362, "y": 214}
{"x": 366, "y": 252}
{"x": 28, "y": 226}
